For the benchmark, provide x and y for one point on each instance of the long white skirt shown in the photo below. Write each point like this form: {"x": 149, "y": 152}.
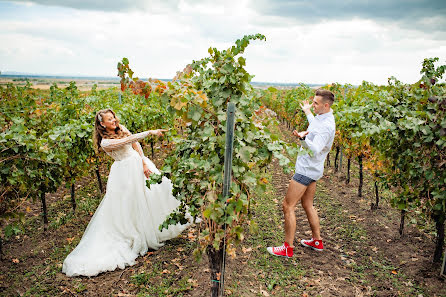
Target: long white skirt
{"x": 126, "y": 222}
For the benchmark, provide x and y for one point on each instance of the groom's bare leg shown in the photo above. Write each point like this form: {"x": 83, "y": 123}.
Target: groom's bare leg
{"x": 307, "y": 204}
{"x": 293, "y": 195}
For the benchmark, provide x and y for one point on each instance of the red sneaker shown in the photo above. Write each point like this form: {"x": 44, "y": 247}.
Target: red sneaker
{"x": 285, "y": 250}
{"x": 314, "y": 244}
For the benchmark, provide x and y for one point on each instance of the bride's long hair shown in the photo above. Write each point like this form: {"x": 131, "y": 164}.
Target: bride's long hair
{"x": 100, "y": 132}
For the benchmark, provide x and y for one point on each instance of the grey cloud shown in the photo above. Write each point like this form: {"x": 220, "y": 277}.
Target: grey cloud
{"x": 413, "y": 14}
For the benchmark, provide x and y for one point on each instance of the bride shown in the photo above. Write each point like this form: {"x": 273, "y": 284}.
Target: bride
{"x": 126, "y": 222}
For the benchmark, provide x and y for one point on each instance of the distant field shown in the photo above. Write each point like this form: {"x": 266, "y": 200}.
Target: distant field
{"x": 44, "y": 83}
{"x": 85, "y": 83}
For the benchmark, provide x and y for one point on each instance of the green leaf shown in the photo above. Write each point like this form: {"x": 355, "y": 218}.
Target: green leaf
{"x": 242, "y": 61}
{"x": 207, "y": 213}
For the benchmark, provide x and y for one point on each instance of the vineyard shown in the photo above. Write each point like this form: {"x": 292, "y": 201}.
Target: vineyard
{"x": 386, "y": 168}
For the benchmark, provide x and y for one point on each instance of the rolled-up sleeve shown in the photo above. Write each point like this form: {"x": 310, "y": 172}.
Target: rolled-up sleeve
{"x": 317, "y": 144}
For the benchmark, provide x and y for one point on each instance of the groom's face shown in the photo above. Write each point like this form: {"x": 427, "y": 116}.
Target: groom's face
{"x": 319, "y": 105}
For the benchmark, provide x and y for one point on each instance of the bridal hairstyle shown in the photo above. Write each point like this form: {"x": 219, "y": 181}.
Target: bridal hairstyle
{"x": 100, "y": 132}
{"x": 326, "y": 95}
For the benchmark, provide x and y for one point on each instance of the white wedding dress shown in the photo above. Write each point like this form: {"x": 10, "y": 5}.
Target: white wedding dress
{"x": 126, "y": 222}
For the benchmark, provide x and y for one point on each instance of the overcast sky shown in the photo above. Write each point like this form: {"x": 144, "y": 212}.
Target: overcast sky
{"x": 318, "y": 41}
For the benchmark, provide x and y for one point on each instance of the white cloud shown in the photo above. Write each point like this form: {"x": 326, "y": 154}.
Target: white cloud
{"x": 91, "y": 42}
{"x": 342, "y": 51}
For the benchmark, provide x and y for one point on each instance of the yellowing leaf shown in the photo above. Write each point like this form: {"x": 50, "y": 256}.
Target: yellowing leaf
{"x": 246, "y": 250}
{"x": 193, "y": 282}
{"x": 179, "y": 105}
{"x": 263, "y": 180}
{"x": 191, "y": 235}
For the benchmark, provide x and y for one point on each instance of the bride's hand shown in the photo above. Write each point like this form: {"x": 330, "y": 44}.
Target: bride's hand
{"x": 158, "y": 132}
{"x": 146, "y": 170}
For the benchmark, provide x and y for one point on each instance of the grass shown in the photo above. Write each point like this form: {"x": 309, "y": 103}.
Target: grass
{"x": 256, "y": 274}
{"x": 167, "y": 275}
{"x": 262, "y": 272}
{"x": 159, "y": 280}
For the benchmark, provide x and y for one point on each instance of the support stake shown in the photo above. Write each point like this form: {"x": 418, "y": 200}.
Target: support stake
{"x": 227, "y": 178}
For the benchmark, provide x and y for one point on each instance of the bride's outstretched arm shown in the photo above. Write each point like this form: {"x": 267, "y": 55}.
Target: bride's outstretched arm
{"x": 112, "y": 144}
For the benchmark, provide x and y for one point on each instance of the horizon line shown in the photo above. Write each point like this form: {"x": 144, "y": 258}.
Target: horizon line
{"x": 13, "y": 74}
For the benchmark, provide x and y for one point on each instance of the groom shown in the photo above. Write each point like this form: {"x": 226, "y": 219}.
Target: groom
{"x": 309, "y": 168}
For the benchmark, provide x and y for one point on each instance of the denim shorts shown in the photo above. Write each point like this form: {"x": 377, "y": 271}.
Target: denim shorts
{"x": 302, "y": 179}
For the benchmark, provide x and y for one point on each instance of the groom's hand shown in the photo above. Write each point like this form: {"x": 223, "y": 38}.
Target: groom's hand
{"x": 306, "y": 106}
{"x": 301, "y": 135}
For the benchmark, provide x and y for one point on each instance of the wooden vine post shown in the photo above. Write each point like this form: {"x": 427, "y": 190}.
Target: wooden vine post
{"x": 227, "y": 178}
{"x": 442, "y": 272}
{"x": 361, "y": 175}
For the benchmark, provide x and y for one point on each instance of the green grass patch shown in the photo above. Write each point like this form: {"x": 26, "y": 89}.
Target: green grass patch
{"x": 161, "y": 280}
{"x": 268, "y": 273}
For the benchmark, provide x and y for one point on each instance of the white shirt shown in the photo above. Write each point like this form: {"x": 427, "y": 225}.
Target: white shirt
{"x": 319, "y": 140}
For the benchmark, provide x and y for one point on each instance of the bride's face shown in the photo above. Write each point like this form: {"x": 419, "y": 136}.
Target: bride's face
{"x": 109, "y": 121}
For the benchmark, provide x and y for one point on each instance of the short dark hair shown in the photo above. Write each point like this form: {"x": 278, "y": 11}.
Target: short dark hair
{"x": 326, "y": 95}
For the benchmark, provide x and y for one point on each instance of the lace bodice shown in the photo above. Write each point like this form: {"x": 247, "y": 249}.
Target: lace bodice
{"x": 121, "y": 153}
{"x": 119, "y": 149}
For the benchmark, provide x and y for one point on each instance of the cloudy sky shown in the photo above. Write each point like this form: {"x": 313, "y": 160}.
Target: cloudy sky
{"x": 317, "y": 41}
